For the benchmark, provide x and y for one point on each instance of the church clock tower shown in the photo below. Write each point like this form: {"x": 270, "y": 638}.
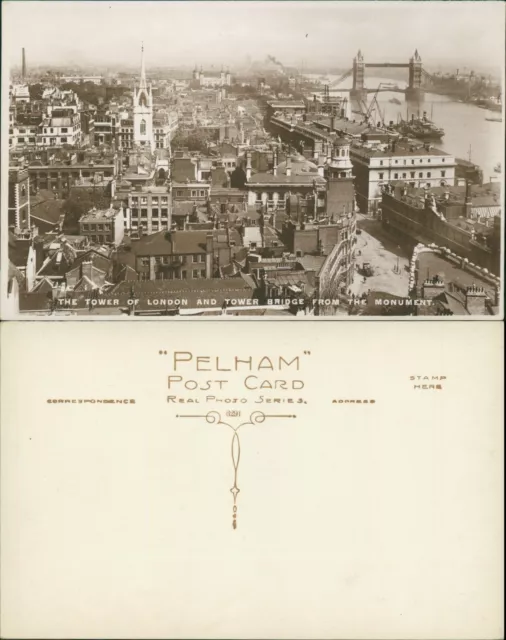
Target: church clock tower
{"x": 143, "y": 111}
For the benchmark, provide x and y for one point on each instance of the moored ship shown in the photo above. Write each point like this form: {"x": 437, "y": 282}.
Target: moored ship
{"x": 421, "y": 128}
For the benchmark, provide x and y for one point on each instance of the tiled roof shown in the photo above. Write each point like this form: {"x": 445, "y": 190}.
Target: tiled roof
{"x": 268, "y": 178}
{"x": 174, "y": 243}
{"x": 18, "y": 252}
{"x": 311, "y": 263}
{"x": 49, "y": 210}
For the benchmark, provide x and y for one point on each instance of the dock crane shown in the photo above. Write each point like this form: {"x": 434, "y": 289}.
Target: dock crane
{"x": 375, "y": 104}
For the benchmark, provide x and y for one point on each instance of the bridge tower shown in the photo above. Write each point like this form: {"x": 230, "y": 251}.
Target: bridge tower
{"x": 414, "y": 91}
{"x": 358, "y": 91}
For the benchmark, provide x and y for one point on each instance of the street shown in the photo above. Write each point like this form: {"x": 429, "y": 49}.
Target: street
{"x": 389, "y": 261}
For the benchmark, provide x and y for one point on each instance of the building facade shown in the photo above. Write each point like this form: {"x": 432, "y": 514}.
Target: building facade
{"x": 103, "y": 226}
{"x": 420, "y": 165}
{"x": 176, "y": 255}
{"x": 19, "y": 199}
{"x": 149, "y": 209}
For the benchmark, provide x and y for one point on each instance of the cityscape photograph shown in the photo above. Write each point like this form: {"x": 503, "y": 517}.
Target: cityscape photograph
{"x": 269, "y": 160}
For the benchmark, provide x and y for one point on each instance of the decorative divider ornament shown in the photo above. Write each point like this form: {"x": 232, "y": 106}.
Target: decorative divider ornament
{"x": 256, "y": 417}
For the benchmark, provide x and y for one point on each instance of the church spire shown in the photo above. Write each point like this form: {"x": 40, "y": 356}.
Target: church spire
{"x": 143, "y": 84}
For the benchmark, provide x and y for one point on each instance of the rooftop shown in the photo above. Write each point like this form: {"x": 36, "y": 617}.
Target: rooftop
{"x": 484, "y": 195}
{"x": 269, "y": 178}
{"x": 400, "y": 148}
{"x": 99, "y": 214}
{"x": 171, "y": 243}
{"x": 431, "y": 264}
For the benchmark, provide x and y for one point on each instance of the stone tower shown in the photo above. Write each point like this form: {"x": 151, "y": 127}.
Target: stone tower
{"x": 143, "y": 111}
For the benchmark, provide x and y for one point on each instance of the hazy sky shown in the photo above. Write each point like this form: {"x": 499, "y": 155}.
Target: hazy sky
{"x": 330, "y": 33}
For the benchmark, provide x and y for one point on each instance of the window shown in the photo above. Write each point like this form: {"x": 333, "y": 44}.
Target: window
{"x": 381, "y": 175}
{"x": 179, "y": 193}
{"x": 135, "y": 213}
{"x": 404, "y": 175}
{"x": 21, "y": 139}
{"x": 165, "y": 212}
{"x": 420, "y": 175}
{"x": 381, "y": 163}
{"x": 429, "y": 175}
{"x": 412, "y": 162}
{"x": 202, "y": 194}
{"x": 144, "y": 201}
{"x": 144, "y": 262}
{"x": 154, "y": 200}
{"x": 202, "y": 273}
{"x": 194, "y": 194}
{"x": 195, "y": 273}
{"x": 64, "y": 129}
{"x": 396, "y": 176}
{"x": 404, "y": 161}
{"x": 396, "y": 162}
{"x": 144, "y": 213}
{"x": 164, "y": 200}
{"x": 428, "y": 160}
{"x": 31, "y": 140}
{"x": 135, "y": 201}
{"x": 442, "y": 159}
{"x": 64, "y": 139}
{"x": 155, "y": 212}
{"x": 143, "y": 128}
{"x": 443, "y": 174}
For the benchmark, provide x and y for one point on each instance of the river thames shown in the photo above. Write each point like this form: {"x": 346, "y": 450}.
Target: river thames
{"x": 465, "y": 125}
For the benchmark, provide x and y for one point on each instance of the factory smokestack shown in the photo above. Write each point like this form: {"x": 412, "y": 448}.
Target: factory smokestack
{"x": 23, "y": 64}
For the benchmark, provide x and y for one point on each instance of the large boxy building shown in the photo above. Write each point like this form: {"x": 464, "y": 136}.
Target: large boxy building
{"x": 465, "y": 220}
{"x": 418, "y": 164}
{"x": 103, "y": 226}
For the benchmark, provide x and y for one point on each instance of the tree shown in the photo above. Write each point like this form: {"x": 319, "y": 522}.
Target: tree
{"x": 36, "y": 91}
{"x": 78, "y": 203}
{"x": 194, "y": 140}
{"x": 237, "y": 178}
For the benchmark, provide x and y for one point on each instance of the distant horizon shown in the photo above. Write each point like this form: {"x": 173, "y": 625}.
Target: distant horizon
{"x": 316, "y": 35}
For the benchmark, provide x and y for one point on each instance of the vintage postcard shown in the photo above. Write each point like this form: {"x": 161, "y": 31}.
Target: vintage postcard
{"x": 202, "y": 485}
{"x": 254, "y": 160}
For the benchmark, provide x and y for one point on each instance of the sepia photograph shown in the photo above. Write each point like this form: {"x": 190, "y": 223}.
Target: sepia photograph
{"x": 252, "y": 160}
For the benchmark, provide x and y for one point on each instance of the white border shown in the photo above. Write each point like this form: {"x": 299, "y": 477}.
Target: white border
{"x": 115, "y": 318}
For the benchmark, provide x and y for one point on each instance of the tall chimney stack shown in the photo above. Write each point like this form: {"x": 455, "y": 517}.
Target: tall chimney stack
{"x": 23, "y": 64}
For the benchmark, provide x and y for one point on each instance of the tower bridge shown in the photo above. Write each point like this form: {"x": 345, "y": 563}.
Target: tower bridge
{"x": 417, "y": 77}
